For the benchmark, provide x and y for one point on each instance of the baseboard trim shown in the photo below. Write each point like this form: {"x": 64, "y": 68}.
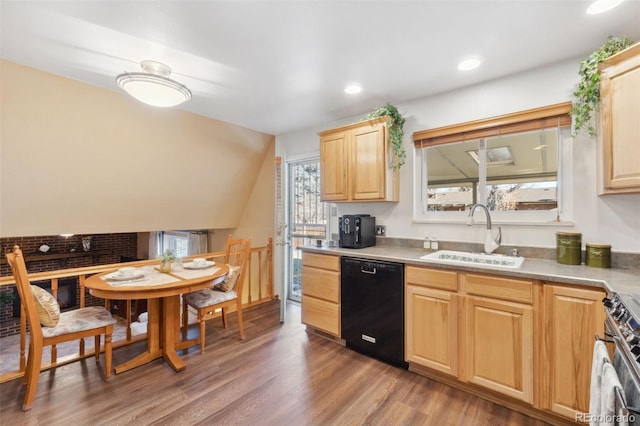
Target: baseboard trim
{"x": 325, "y": 335}
{"x": 494, "y": 397}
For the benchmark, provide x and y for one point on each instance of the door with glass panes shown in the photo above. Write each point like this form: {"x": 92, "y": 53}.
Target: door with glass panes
{"x": 307, "y": 217}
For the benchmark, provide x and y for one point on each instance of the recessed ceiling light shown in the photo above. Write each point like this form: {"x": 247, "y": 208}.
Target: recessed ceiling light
{"x": 353, "y": 89}
{"x": 601, "y": 6}
{"x": 469, "y": 64}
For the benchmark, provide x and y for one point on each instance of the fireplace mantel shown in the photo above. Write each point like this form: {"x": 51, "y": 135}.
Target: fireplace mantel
{"x": 36, "y": 257}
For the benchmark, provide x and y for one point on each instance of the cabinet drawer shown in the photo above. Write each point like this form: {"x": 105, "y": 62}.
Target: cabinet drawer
{"x": 321, "y": 314}
{"x": 434, "y": 278}
{"x": 321, "y": 283}
{"x": 321, "y": 261}
{"x": 498, "y": 287}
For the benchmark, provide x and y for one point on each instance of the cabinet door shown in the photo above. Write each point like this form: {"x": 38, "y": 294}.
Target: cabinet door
{"x": 572, "y": 316}
{"x": 333, "y": 166}
{"x": 368, "y": 162}
{"x": 431, "y": 327}
{"x": 620, "y": 109}
{"x": 499, "y": 347}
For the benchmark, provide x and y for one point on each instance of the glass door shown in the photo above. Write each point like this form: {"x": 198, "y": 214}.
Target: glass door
{"x": 307, "y": 217}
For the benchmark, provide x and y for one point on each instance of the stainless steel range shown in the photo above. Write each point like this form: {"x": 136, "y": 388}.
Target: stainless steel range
{"x": 622, "y": 328}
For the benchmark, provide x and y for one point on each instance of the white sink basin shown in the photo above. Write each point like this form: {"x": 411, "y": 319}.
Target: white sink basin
{"x": 475, "y": 259}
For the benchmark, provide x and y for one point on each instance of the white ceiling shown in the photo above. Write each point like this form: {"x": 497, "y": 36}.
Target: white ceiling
{"x": 278, "y": 66}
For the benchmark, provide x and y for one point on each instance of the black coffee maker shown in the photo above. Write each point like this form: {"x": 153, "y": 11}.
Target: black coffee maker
{"x": 357, "y": 231}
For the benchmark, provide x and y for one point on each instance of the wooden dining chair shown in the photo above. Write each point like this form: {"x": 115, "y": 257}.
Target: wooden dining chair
{"x": 223, "y": 295}
{"x": 48, "y": 326}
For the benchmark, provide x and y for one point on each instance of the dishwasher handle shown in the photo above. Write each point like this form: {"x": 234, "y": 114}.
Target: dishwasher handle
{"x": 366, "y": 269}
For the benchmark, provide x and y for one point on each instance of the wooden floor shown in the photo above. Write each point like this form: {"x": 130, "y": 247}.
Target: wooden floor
{"x": 279, "y": 375}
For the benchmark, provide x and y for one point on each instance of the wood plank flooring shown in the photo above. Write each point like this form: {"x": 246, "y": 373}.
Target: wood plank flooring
{"x": 279, "y": 375}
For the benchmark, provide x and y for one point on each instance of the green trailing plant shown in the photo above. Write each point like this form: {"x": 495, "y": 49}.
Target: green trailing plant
{"x": 587, "y": 95}
{"x": 396, "y": 132}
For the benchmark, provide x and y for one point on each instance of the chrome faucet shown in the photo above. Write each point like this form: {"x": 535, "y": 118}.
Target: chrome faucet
{"x": 490, "y": 243}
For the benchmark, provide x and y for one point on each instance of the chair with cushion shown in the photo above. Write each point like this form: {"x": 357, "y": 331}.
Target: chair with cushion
{"x": 50, "y": 327}
{"x": 222, "y": 295}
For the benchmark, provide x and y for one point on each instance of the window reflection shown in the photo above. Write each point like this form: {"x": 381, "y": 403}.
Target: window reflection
{"x": 512, "y": 172}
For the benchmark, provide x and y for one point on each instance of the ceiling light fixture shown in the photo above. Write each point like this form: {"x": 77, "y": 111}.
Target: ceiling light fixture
{"x": 469, "y": 64}
{"x": 153, "y": 86}
{"x": 353, "y": 89}
{"x": 601, "y": 6}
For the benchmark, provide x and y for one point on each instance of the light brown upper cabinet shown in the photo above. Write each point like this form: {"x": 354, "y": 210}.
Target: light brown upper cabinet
{"x": 354, "y": 163}
{"x": 620, "y": 115}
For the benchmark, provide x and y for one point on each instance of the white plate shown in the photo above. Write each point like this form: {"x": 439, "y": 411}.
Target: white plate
{"x": 117, "y": 276}
{"x": 205, "y": 265}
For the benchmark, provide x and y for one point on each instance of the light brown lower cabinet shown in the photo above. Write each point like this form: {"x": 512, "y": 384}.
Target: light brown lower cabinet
{"x": 321, "y": 292}
{"x": 571, "y": 316}
{"x": 531, "y": 341}
{"x": 432, "y": 324}
{"x": 499, "y": 346}
{"x": 431, "y": 319}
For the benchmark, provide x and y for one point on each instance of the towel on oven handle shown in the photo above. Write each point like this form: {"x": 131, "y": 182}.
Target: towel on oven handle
{"x": 600, "y": 358}
{"x": 612, "y": 412}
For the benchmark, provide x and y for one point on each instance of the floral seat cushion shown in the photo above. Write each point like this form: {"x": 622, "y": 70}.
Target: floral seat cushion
{"x": 208, "y": 297}
{"x": 79, "y": 320}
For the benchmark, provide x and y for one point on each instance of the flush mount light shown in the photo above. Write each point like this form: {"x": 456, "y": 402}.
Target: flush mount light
{"x": 469, "y": 64}
{"x": 153, "y": 86}
{"x": 601, "y": 6}
{"x": 66, "y": 235}
{"x": 353, "y": 89}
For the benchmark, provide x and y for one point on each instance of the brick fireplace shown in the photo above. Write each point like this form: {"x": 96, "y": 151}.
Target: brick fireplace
{"x": 63, "y": 253}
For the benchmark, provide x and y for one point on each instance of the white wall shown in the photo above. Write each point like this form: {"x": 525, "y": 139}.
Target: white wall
{"x": 612, "y": 219}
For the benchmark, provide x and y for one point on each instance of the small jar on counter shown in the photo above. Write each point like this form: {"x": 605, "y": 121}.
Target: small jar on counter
{"x": 598, "y": 255}
{"x": 569, "y": 248}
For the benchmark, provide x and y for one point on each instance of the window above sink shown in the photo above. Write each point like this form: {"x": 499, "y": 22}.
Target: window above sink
{"x": 517, "y": 165}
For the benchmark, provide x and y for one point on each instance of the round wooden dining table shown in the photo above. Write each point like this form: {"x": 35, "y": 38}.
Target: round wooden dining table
{"x": 163, "y": 292}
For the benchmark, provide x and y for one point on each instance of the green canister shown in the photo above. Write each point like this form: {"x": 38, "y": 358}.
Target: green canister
{"x": 598, "y": 255}
{"x": 569, "y": 248}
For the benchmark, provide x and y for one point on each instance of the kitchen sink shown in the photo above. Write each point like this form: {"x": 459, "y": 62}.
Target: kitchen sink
{"x": 475, "y": 259}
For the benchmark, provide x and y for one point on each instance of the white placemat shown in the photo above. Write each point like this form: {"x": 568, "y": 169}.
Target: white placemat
{"x": 151, "y": 277}
{"x": 195, "y": 273}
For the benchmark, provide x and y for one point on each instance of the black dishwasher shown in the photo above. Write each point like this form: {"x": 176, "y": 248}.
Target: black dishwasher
{"x": 372, "y": 299}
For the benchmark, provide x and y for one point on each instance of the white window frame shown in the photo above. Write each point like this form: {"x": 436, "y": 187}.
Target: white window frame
{"x": 562, "y": 216}
{"x": 178, "y": 235}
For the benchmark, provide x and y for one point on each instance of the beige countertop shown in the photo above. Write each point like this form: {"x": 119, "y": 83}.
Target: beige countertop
{"x": 613, "y": 280}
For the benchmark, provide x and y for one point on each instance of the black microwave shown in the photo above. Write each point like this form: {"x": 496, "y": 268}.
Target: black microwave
{"x": 357, "y": 231}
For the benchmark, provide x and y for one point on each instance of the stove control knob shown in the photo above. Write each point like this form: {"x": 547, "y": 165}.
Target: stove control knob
{"x": 621, "y": 315}
{"x": 633, "y": 339}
